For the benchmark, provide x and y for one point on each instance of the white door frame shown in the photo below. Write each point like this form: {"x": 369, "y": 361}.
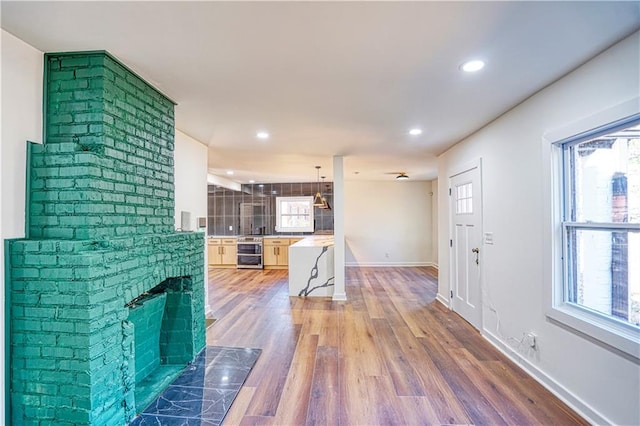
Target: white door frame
{"x": 457, "y": 170}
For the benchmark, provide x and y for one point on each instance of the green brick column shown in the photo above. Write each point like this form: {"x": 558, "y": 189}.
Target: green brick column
{"x": 106, "y": 169}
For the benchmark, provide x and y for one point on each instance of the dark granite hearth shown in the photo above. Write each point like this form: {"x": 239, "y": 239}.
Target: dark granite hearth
{"x": 205, "y": 390}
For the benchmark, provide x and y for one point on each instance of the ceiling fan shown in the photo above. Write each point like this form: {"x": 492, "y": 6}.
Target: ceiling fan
{"x": 400, "y": 175}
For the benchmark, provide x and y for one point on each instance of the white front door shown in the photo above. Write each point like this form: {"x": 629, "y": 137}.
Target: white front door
{"x": 466, "y": 238}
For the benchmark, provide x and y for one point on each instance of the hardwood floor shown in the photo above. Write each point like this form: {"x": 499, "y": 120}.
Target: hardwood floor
{"x": 389, "y": 355}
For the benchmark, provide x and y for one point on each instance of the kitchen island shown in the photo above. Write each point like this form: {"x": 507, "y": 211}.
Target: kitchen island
{"x": 311, "y": 271}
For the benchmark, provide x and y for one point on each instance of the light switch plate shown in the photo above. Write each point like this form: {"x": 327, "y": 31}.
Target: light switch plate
{"x": 488, "y": 238}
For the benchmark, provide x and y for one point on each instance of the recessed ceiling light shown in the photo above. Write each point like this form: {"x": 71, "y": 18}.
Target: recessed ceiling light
{"x": 472, "y": 66}
{"x": 262, "y": 135}
{"x": 252, "y": 181}
{"x": 415, "y": 132}
{"x": 229, "y": 172}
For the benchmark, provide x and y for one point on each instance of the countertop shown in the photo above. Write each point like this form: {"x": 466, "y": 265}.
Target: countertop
{"x": 286, "y": 236}
{"x": 270, "y": 236}
{"x": 315, "y": 241}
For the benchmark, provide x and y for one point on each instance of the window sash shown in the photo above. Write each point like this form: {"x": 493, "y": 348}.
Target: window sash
{"x": 614, "y": 226}
{"x": 567, "y": 145}
{"x": 570, "y": 226}
{"x": 600, "y": 131}
{"x": 604, "y": 327}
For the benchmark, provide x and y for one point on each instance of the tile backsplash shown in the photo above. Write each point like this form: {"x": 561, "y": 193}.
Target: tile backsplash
{"x": 259, "y": 201}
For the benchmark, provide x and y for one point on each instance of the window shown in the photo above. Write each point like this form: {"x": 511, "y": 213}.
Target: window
{"x": 294, "y": 214}
{"x": 600, "y": 228}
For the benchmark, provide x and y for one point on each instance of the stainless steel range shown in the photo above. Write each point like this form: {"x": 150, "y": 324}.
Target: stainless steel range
{"x": 250, "y": 253}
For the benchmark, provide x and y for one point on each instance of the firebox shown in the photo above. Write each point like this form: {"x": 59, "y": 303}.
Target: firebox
{"x": 107, "y": 301}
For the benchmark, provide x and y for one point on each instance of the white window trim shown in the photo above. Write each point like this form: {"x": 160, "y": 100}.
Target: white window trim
{"x": 618, "y": 336}
{"x": 280, "y": 228}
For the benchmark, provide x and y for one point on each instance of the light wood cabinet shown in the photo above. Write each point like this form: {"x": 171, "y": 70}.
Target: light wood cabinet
{"x": 276, "y": 253}
{"x": 222, "y": 252}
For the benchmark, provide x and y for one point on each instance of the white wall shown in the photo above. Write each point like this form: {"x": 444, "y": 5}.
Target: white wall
{"x": 603, "y": 385}
{"x": 190, "y": 165}
{"x": 190, "y": 178}
{"x": 388, "y": 223}
{"x": 434, "y": 222}
{"x": 21, "y": 94}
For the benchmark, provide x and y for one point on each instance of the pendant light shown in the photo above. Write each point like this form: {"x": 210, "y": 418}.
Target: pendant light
{"x": 317, "y": 200}
{"x": 324, "y": 205}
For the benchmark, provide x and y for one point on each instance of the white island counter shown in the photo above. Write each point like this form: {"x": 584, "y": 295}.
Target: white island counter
{"x": 311, "y": 271}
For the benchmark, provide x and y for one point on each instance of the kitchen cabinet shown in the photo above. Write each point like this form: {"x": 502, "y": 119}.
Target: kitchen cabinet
{"x": 222, "y": 252}
{"x": 276, "y": 253}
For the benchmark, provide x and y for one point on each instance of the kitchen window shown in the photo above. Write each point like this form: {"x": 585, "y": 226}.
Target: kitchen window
{"x": 294, "y": 214}
{"x": 599, "y": 293}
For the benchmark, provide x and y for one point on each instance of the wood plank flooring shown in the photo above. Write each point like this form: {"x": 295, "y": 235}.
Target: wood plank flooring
{"x": 390, "y": 355}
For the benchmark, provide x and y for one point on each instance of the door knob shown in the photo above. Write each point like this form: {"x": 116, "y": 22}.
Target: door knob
{"x": 476, "y": 250}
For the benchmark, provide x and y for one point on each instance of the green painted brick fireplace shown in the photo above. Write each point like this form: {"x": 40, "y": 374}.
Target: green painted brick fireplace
{"x": 100, "y": 223}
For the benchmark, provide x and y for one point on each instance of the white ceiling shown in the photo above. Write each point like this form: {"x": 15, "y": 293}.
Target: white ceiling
{"x": 332, "y": 78}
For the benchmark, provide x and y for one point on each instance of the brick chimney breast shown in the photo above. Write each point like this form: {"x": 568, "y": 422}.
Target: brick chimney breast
{"x": 100, "y": 219}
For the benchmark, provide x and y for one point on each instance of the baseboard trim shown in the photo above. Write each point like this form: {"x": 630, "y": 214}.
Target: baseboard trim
{"x": 339, "y": 297}
{"x": 386, "y": 264}
{"x": 440, "y": 298}
{"x": 578, "y": 405}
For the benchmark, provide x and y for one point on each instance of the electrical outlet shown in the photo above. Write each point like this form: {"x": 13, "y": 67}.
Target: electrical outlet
{"x": 386, "y": 255}
{"x": 230, "y": 227}
{"x": 530, "y": 340}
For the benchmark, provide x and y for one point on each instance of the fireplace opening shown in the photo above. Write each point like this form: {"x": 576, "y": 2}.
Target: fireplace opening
{"x": 158, "y": 337}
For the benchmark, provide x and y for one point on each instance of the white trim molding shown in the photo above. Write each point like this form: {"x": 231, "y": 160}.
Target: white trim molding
{"x": 442, "y": 299}
{"x": 578, "y": 405}
{"x": 388, "y": 264}
{"x": 616, "y": 337}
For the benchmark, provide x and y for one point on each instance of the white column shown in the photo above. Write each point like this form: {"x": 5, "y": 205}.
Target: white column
{"x": 21, "y": 96}
{"x": 339, "y": 292}
{"x": 2, "y": 302}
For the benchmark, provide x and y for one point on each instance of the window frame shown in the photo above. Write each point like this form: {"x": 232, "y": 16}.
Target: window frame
{"x": 279, "y": 215}
{"x": 605, "y": 329}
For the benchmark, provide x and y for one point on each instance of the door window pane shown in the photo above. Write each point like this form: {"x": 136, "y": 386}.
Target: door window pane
{"x": 464, "y": 198}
